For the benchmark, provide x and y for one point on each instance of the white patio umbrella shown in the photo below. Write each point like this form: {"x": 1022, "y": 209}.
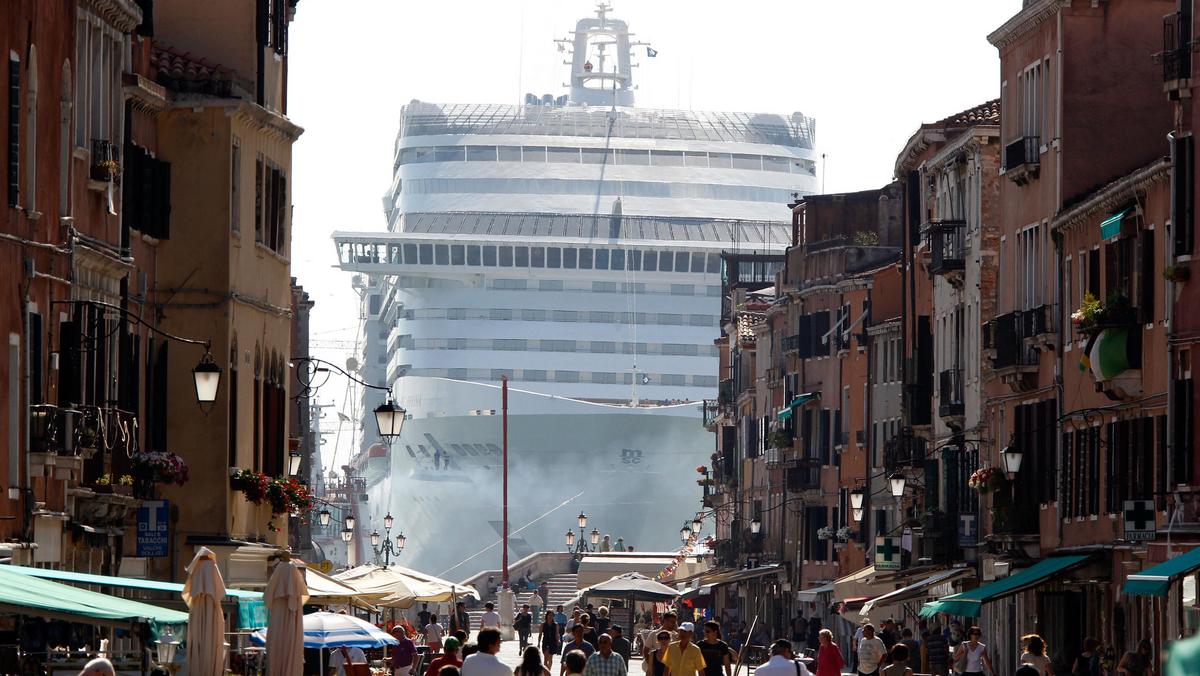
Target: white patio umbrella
{"x": 285, "y": 596}
{"x": 334, "y": 630}
{"x": 203, "y": 593}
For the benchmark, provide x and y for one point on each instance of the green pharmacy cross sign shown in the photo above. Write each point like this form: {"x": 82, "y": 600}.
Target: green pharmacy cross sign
{"x": 1139, "y": 519}
{"x": 887, "y": 553}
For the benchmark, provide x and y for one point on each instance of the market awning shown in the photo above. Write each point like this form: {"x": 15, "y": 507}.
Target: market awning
{"x": 31, "y": 595}
{"x": 812, "y": 593}
{"x": 859, "y": 584}
{"x": 1156, "y": 580}
{"x": 969, "y": 603}
{"x": 916, "y": 590}
{"x": 1111, "y": 226}
{"x": 799, "y": 400}
{"x": 113, "y": 581}
{"x": 706, "y": 582}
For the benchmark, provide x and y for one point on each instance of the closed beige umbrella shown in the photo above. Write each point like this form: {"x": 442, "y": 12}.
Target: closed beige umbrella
{"x": 203, "y": 593}
{"x": 285, "y": 597}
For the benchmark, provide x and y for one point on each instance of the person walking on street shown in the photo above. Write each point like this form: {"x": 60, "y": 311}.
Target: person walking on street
{"x": 605, "y": 662}
{"x": 683, "y": 657}
{"x": 574, "y": 662}
{"x": 783, "y": 662}
{"x": 1136, "y": 662}
{"x": 576, "y": 614}
{"x": 490, "y": 618}
{"x": 1088, "y": 661}
{"x": 485, "y": 662}
{"x": 899, "y": 665}
{"x": 829, "y": 655}
{"x": 858, "y": 636}
{"x": 577, "y": 643}
{"x": 871, "y": 652}
{"x": 433, "y": 634}
{"x": 937, "y": 651}
{"x": 650, "y": 640}
{"x": 550, "y": 638}
{"x": 523, "y": 623}
{"x": 423, "y": 617}
{"x": 657, "y": 667}
{"x": 404, "y": 654}
{"x": 602, "y": 622}
{"x": 971, "y": 656}
{"x": 589, "y": 630}
{"x": 460, "y": 620}
{"x": 448, "y": 658}
{"x": 531, "y": 664}
{"x": 1035, "y": 655}
{"x": 718, "y": 656}
{"x": 621, "y": 645}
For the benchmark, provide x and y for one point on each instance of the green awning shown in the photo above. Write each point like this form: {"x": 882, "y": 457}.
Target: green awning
{"x": 1111, "y": 226}
{"x": 785, "y": 413}
{"x": 112, "y": 581}
{"x": 969, "y": 603}
{"x": 1156, "y": 580}
{"x": 1112, "y": 353}
{"x": 35, "y": 596}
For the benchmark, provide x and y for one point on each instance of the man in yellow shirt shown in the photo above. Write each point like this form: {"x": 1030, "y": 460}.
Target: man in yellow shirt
{"x": 683, "y": 657}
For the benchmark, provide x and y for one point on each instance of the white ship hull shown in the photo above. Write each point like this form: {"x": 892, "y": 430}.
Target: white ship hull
{"x": 631, "y": 470}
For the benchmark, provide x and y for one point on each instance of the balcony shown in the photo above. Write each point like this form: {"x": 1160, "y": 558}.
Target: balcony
{"x": 1038, "y": 326}
{"x": 1022, "y": 159}
{"x": 948, "y": 242}
{"x": 1012, "y": 360}
{"x": 950, "y": 397}
{"x": 904, "y": 451}
{"x": 1176, "y": 56}
{"x": 805, "y": 477}
{"x": 725, "y": 393}
{"x": 711, "y": 411}
{"x": 791, "y": 343}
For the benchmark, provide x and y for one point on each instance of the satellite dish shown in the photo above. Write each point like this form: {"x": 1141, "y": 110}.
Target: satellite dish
{"x": 351, "y": 364}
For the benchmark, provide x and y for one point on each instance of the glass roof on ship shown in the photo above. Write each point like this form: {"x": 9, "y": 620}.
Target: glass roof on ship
{"x": 623, "y": 227}
{"x": 432, "y": 119}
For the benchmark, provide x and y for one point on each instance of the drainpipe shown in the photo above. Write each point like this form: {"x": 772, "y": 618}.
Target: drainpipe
{"x": 1169, "y": 315}
{"x": 1058, "y": 173}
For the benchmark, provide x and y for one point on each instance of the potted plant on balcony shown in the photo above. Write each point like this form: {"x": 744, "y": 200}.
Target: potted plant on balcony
{"x": 1177, "y": 273}
{"x": 1094, "y": 316}
{"x": 157, "y": 467}
{"x": 780, "y": 438}
{"x": 253, "y": 485}
{"x": 825, "y": 533}
{"x": 122, "y": 485}
{"x": 845, "y": 534}
{"x": 986, "y": 479}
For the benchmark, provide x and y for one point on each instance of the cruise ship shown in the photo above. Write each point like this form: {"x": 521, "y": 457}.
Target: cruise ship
{"x": 573, "y": 244}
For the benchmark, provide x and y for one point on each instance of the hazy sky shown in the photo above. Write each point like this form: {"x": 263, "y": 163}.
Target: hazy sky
{"x": 869, "y": 71}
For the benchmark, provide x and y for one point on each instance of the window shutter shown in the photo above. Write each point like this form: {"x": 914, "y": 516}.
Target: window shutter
{"x": 162, "y": 211}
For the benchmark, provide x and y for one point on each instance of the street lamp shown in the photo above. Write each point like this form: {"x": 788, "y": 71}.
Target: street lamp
{"x": 383, "y": 544}
{"x": 207, "y": 376}
{"x": 389, "y": 418}
{"x": 896, "y": 483}
{"x": 347, "y": 534}
{"x": 323, "y": 517}
{"x": 582, "y": 520}
{"x": 697, "y": 524}
{"x": 570, "y": 539}
{"x": 858, "y": 515}
{"x": 856, "y": 499}
{"x": 685, "y": 534}
{"x": 1012, "y": 456}
{"x": 294, "y": 459}
{"x": 349, "y": 523}
{"x": 595, "y": 537}
{"x": 755, "y": 526}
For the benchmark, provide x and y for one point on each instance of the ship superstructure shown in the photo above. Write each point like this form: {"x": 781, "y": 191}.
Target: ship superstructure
{"x": 573, "y": 245}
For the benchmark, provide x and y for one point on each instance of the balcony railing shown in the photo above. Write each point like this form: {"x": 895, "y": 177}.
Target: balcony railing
{"x": 725, "y": 393}
{"x": 791, "y": 343}
{"x": 947, "y": 240}
{"x": 1022, "y": 151}
{"x": 904, "y": 451}
{"x": 803, "y": 478}
{"x": 950, "y": 393}
{"x": 1176, "y": 56}
{"x": 710, "y": 411}
{"x": 1008, "y": 340}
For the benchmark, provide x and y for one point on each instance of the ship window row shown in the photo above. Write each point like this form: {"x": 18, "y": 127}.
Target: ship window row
{"x": 591, "y": 187}
{"x": 711, "y": 290}
{"x": 618, "y": 156}
{"x": 550, "y": 257}
{"x": 585, "y": 316}
{"x": 553, "y": 376}
{"x": 548, "y": 345}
